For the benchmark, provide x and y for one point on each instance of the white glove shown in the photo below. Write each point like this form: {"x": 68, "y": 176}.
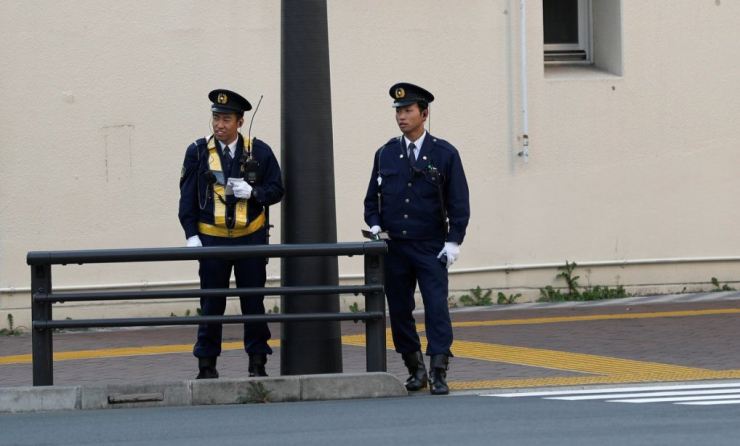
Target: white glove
{"x": 375, "y": 229}
{"x": 452, "y": 250}
{"x": 242, "y": 189}
{"x": 194, "y": 242}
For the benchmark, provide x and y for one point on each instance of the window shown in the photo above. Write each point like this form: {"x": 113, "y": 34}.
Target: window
{"x": 567, "y": 30}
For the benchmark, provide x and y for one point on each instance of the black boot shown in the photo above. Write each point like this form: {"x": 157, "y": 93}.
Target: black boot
{"x": 257, "y": 363}
{"x": 207, "y": 367}
{"x": 438, "y": 375}
{"x": 417, "y": 372}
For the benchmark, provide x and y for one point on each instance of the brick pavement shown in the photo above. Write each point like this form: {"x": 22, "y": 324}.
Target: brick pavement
{"x": 694, "y": 340}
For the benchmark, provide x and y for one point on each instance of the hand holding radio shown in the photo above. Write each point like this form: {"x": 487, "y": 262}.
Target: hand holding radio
{"x": 241, "y": 188}
{"x": 449, "y": 253}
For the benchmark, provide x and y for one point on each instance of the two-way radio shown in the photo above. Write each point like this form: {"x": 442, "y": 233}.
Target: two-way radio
{"x": 250, "y": 166}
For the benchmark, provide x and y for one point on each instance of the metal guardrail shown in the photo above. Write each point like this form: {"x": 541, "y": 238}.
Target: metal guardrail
{"x": 42, "y": 296}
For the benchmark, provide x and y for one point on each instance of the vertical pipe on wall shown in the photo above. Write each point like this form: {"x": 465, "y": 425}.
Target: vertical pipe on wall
{"x": 525, "y": 118}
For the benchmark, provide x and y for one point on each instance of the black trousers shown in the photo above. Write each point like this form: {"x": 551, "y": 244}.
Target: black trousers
{"x": 409, "y": 262}
{"x": 216, "y": 273}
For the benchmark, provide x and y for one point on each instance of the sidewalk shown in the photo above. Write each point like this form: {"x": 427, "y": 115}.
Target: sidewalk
{"x": 642, "y": 339}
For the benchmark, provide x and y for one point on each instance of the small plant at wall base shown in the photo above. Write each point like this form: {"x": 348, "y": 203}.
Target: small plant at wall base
{"x": 550, "y": 294}
{"x": 68, "y": 330}
{"x": 274, "y": 310}
{"x": 724, "y": 287}
{"x": 11, "y": 330}
{"x": 476, "y": 298}
{"x": 503, "y": 300}
{"x": 355, "y": 308}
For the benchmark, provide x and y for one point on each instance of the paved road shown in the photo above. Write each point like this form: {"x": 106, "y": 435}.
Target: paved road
{"x": 462, "y": 419}
{"x": 668, "y": 338}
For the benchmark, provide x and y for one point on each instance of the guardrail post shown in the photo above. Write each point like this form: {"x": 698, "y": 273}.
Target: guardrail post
{"x": 42, "y": 350}
{"x": 375, "y": 343}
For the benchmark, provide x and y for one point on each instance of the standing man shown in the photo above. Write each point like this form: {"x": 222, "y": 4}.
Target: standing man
{"x": 225, "y": 186}
{"x": 419, "y": 194}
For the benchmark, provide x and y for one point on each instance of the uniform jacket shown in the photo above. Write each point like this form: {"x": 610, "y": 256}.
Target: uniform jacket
{"x": 197, "y": 197}
{"x": 410, "y": 205}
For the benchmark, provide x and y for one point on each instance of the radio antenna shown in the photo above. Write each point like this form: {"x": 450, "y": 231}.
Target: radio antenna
{"x": 249, "y": 133}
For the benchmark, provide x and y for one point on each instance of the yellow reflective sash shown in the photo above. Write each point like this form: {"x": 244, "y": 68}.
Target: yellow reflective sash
{"x": 215, "y": 231}
{"x": 219, "y": 208}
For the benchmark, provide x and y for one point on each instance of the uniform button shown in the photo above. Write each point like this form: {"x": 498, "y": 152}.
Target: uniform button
{"x": 405, "y": 216}
{"x": 407, "y": 200}
{"x": 409, "y": 184}
{"x": 404, "y": 232}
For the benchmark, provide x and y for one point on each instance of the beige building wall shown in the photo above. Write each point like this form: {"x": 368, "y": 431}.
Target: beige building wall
{"x": 632, "y": 159}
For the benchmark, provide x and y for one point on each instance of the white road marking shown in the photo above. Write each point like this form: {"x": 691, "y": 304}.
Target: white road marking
{"x": 677, "y": 398}
{"x": 644, "y": 394}
{"x": 615, "y": 390}
{"x": 710, "y": 403}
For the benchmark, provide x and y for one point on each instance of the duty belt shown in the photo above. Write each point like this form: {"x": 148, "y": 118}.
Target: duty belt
{"x": 218, "y": 231}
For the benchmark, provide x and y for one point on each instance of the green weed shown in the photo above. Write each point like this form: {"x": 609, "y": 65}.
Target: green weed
{"x": 724, "y": 287}
{"x": 550, "y": 294}
{"x": 476, "y": 298}
{"x": 256, "y": 394}
{"x": 503, "y": 300}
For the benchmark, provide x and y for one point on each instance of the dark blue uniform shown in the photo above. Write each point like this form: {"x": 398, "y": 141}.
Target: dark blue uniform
{"x": 223, "y": 220}
{"x": 408, "y": 205}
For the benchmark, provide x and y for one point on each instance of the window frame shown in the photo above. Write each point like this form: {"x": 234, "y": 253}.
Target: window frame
{"x": 574, "y": 53}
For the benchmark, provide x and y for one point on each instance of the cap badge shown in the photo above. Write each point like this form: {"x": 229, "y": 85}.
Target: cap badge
{"x": 400, "y": 93}
{"x": 222, "y": 98}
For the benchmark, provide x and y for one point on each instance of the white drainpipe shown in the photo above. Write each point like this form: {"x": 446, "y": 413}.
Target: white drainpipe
{"x": 524, "y": 153}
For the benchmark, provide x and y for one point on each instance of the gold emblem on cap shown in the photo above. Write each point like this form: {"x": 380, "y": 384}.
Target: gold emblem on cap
{"x": 400, "y": 92}
{"x": 222, "y": 98}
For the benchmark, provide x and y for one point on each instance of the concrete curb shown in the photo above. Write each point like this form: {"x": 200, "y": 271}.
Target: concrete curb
{"x": 202, "y": 392}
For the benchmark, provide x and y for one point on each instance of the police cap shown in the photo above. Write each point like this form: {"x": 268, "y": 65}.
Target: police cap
{"x": 225, "y": 101}
{"x": 406, "y": 94}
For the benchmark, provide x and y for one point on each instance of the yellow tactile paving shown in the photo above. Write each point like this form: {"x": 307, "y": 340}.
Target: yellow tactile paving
{"x": 551, "y": 359}
{"x": 606, "y": 370}
{"x": 119, "y": 352}
{"x": 596, "y": 317}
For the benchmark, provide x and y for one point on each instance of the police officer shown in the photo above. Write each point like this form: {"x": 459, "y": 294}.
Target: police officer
{"x": 225, "y": 186}
{"x": 419, "y": 195}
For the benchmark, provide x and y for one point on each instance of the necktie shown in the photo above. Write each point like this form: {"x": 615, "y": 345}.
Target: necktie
{"x": 412, "y": 155}
{"x": 227, "y": 159}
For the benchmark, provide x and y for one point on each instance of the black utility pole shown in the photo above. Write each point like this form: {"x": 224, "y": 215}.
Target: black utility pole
{"x": 309, "y": 208}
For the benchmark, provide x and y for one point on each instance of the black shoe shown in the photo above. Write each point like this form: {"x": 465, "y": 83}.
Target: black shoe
{"x": 438, "y": 375}
{"x": 257, "y": 363}
{"x": 207, "y": 367}
{"x": 417, "y": 372}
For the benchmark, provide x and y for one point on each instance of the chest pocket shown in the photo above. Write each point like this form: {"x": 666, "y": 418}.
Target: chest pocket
{"x": 391, "y": 181}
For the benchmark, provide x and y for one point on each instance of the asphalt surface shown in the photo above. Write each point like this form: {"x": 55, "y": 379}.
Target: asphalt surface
{"x": 463, "y": 420}
{"x": 634, "y": 340}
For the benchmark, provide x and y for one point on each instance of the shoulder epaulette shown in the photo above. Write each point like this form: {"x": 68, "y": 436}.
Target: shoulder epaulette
{"x": 443, "y": 144}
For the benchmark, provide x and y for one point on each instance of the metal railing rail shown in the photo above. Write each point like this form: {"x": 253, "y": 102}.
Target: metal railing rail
{"x": 42, "y": 297}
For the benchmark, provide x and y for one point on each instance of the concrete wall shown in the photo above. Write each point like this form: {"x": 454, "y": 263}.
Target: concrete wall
{"x": 100, "y": 99}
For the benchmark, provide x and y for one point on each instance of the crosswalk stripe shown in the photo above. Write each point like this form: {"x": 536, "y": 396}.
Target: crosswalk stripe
{"x": 615, "y": 390}
{"x": 644, "y": 394}
{"x": 677, "y": 398}
{"x": 710, "y": 403}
